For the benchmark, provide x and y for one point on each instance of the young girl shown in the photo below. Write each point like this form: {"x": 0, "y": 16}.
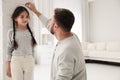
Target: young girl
{"x": 20, "y": 61}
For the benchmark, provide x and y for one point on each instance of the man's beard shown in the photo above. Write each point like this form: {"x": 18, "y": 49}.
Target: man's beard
{"x": 51, "y": 30}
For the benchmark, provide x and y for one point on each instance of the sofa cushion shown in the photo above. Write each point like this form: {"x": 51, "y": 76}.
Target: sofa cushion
{"x": 97, "y": 53}
{"x": 104, "y": 54}
{"x": 84, "y": 45}
{"x": 85, "y": 52}
{"x": 91, "y": 46}
{"x": 101, "y": 46}
{"x": 113, "y": 46}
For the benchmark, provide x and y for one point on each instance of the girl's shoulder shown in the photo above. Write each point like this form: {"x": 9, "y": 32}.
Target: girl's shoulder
{"x": 10, "y": 32}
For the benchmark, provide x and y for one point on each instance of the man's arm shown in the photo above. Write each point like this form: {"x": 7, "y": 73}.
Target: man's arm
{"x": 32, "y": 7}
{"x": 65, "y": 66}
{"x": 44, "y": 20}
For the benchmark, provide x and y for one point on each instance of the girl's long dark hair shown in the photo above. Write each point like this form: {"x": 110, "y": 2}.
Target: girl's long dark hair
{"x": 15, "y": 14}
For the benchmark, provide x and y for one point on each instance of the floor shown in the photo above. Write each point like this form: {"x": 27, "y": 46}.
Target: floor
{"x": 102, "y": 72}
{"x": 42, "y": 72}
{"x": 94, "y": 72}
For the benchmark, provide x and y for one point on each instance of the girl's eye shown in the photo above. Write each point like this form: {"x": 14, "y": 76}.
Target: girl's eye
{"x": 27, "y": 16}
{"x": 22, "y": 16}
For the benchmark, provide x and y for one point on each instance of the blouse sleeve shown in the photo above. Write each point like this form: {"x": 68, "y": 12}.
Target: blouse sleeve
{"x": 9, "y": 45}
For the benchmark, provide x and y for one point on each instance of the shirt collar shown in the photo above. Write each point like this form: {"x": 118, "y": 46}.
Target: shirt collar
{"x": 65, "y": 40}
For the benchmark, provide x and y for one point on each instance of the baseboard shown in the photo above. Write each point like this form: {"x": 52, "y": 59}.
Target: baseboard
{"x": 102, "y": 62}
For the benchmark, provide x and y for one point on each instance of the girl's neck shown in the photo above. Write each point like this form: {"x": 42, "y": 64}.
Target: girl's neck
{"x": 21, "y": 28}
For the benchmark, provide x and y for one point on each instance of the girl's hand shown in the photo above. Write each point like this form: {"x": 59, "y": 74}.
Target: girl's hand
{"x": 8, "y": 71}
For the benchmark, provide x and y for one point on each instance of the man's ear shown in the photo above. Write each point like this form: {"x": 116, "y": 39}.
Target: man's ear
{"x": 56, "y": 25}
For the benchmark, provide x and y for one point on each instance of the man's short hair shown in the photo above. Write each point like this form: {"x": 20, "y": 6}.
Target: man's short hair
{"x": 65, "y": 18}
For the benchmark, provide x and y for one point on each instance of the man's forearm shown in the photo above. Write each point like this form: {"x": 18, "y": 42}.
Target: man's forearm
{"x": 37, "y": 13}
{"x": 32, "y": 7}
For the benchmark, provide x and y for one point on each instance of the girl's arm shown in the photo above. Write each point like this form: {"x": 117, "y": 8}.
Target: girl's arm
{"x": 9, "y": 45}
{"x": 8, "y": 70}
{"x": 9, "y": 53}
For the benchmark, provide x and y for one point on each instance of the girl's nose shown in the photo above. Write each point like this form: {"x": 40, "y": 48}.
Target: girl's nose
{"x": 25, "y": 19}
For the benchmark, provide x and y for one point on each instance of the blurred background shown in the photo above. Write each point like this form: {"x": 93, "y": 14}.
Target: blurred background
{"x": 95, "y": 21}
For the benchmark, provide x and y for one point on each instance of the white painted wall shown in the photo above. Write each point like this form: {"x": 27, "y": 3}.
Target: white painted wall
{"x": 75, "y": 7}
{"x": 8, "y": 8}
{"x": 0, "y": 23}
{"x": 85, "y": 19}
{"x": 45, "y": 7}
{"x": 104, "y": 20}
{"x": 1, "y": 40}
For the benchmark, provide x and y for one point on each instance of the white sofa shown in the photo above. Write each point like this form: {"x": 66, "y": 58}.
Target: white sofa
{"x": 102, "y": 51}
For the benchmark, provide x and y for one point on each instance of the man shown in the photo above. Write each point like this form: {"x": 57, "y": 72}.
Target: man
{"x": 68, "y": 61}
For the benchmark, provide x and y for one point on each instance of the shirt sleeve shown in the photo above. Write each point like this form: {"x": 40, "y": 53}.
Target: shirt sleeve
{"x": 34, "y": 54}
{"x": 65, "y": 66}
{"x": 45, "y": 21}
{"x": 9, "y": 45}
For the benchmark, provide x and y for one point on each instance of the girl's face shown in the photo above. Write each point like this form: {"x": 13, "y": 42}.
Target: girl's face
{"x": 22, "y": 19}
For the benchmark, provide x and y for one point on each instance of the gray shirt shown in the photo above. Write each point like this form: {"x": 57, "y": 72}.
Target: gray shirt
{"x": 68, "y": 61}
{"x": 23, "y": 39}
